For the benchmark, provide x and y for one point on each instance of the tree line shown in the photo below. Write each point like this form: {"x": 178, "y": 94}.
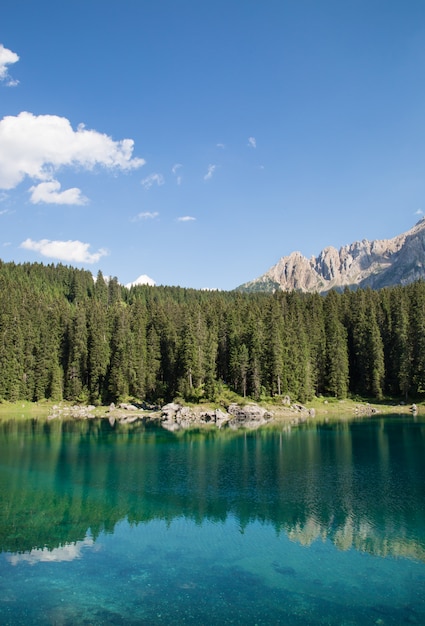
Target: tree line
{"x": 65, "y": 335}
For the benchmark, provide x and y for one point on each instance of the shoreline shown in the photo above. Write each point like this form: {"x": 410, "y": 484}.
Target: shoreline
{"x": 242, "y": 415}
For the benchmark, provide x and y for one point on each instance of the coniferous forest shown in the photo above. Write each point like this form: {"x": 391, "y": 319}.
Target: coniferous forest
{"x": 66, "y": 336}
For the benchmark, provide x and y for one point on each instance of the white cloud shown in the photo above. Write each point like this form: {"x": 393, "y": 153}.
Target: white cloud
{"x": 72, "y": 251}
{"x": 142, "y": 280}
{"x": 252, "y": 142}
{"x": 210, "y": 172}
{"x": 37, "y": 146}
{"x": 186, "y": 218}
{"x": 7, "y": 57}
{"x": 50, "y": 193}
{"x": 152, "y": 179}
{"x": 147, "y": 215}
{"x": 419, "y": 212}
{"x": 221, "y": 145}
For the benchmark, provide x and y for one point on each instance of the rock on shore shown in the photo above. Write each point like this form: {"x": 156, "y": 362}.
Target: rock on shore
{"x": 172, "y": 416}
{"x": 175, "y": 416}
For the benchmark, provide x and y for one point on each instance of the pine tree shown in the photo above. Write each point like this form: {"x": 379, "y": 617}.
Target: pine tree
{"x": 98, "y": 350}
{"x": 274, "y": 349}
{"x": 315, "y": 328}
{"x": 375, "y": 361}
{"x": 153, "y": 362}
{"x": 12, "y": 372}
{"x": 336, "y": 349}
{"x": 138, "y": 350}
{"x": 367, "y": 354}
{"x": 76, "y": 370}
{"x": 101, "y": 289}
{"x": 120, "y": 359}
{"x": 401, "y": 348}
{"x": 417, "y": 335}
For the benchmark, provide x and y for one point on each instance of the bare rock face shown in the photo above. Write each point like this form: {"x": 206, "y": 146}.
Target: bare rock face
{"x": 295, "y": 270}
{"x": 376, "y": 264}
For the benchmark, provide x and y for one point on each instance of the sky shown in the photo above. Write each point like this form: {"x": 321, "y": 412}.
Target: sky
{"x": 196, "y": 143}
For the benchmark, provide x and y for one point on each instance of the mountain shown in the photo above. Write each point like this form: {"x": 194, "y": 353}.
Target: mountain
{"x": 376, "y": 264}
{"x": 142, "y": 280}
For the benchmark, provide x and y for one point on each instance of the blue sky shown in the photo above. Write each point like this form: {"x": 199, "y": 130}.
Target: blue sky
{"x": 198, "y": 142}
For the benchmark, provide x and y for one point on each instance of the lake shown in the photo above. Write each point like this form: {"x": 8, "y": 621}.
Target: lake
{"x": 318, "y": 524}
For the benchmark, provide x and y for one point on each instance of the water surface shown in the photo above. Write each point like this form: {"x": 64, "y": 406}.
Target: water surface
{"x": 322, "y": 524}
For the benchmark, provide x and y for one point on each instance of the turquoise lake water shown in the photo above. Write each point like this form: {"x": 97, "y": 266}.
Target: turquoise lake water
{"x": 320, "y": 524}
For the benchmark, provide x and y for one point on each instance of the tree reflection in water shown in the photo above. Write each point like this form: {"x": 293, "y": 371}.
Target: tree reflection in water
{"x": 359, "y": 484}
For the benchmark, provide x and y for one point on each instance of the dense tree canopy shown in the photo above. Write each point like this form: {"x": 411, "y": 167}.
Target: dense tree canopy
{"x": 64, "y": 335}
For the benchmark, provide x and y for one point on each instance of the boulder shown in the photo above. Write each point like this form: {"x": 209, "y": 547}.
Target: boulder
{"x": 248, "y": 416}
{"x": 175, "y": 417}
{"x": 217, "y": 417}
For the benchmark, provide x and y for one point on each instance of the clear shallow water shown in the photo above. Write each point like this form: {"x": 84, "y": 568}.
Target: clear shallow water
{"x": 318, "y": 525}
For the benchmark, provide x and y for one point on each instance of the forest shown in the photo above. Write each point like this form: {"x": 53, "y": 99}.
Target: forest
{"x": 65, "y": 335}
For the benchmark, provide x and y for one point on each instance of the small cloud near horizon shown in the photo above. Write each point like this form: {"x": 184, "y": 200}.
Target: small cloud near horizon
{"x": 186, "y": 218}
{"x": 252, "y": 142}
{"x": 221, "y": 145}
{"x": 419, "y": 212}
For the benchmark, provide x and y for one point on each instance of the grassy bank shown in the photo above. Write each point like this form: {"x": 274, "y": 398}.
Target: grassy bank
{"x": 25, "y": 410}
{"x": 333, "y": 406}
{"x": 323, "y": 408}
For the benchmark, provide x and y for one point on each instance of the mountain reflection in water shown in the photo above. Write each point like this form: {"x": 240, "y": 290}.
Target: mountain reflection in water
{"x": 359, "y": 484}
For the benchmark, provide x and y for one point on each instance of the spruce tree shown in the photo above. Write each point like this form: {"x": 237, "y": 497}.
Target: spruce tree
{"x": 336, "y": 382}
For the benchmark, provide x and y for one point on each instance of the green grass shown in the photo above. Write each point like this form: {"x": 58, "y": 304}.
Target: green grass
{"x": 323, "y": 406}
{"x": 25, "y": 410}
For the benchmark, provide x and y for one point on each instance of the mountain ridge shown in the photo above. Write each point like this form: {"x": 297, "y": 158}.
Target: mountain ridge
{"x": 376, "y": 264}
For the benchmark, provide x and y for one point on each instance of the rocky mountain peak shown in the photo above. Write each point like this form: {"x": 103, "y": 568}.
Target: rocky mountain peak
{"x": 377, "y": 263}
